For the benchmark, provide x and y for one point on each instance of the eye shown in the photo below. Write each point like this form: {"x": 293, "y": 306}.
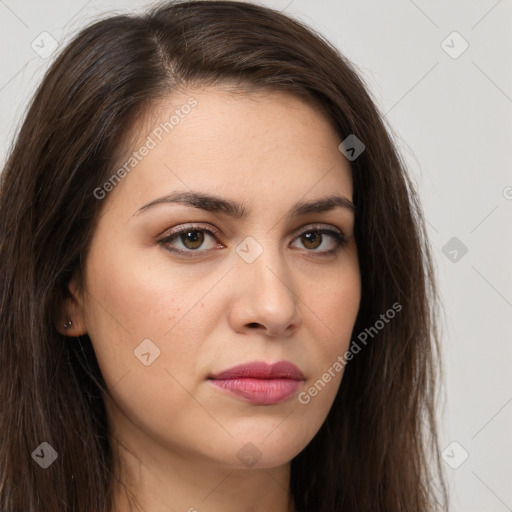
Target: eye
{"x": 315, "y": 239}
{"x": 189, "y": 240}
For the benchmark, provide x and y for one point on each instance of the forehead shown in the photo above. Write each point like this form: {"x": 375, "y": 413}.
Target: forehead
{"x": 265, "y": 142}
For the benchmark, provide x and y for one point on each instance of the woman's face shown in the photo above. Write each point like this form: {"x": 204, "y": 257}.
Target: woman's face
{"x": 259, "y": 282}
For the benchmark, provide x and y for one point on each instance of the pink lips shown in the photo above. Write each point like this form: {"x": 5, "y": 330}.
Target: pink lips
{"x": 259, "y": 382}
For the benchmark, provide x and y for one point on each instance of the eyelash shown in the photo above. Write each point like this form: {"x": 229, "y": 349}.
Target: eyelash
{"x": 339, "y": 237}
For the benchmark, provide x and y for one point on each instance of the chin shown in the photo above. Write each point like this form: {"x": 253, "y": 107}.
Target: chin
{"x": 263, "y": 450}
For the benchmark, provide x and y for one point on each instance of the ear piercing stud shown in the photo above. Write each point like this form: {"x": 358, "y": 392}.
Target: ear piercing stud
{"x": 68, "y": 324}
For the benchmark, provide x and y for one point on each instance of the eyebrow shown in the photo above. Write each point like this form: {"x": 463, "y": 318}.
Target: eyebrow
{"x": 238, "y": 210}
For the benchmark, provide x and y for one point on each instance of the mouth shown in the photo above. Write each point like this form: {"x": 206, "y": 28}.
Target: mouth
{"x": 260, "y": 383}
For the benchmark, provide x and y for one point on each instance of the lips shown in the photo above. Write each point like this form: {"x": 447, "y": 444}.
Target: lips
{"x": 260, "y": 383}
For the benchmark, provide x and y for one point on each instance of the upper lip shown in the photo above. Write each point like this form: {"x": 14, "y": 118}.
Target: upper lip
{"x": 261, "y": 370}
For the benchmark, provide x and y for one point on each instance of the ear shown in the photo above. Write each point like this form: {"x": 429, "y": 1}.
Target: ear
{"x": 72, "y": 309}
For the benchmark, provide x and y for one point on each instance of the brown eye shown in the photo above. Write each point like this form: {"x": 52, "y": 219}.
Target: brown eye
{"x": 312, "y": 239}
{"x": 322, "y": 241}
{"x": 192, "y": 239}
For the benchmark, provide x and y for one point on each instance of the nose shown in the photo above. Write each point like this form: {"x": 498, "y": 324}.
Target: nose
{"x": 264, "y": 297}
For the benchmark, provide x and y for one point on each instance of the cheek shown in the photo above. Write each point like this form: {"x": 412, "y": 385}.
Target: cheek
{"x": 130, "y": 302}
{"x": 143, "y": 300}
{"x": 335, "y": 309}
{"x": 145, "y": 342}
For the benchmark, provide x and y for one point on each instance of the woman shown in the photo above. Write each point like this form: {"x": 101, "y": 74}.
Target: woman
{"x": 217, "y": 292}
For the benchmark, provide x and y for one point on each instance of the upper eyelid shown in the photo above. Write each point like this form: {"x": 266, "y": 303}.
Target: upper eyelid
{"x": 192, "y": 227}
{"x": 215, "y": 231}
{"x": 338, "y": 234}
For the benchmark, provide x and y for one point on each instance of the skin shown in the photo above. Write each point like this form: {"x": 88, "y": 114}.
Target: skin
{"x": 178, "y": 436}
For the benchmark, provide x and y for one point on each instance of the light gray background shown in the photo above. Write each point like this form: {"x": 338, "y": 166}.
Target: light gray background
{"x": 453, "y": 122}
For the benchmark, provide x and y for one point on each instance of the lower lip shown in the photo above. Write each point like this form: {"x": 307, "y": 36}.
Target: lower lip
{"x": 260, "y": 391}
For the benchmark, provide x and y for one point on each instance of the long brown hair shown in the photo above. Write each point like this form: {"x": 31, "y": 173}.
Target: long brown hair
{"x": 377, "y": 450}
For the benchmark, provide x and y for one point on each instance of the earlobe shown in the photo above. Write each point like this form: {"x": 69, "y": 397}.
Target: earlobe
{"x": 71, "y": 320}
